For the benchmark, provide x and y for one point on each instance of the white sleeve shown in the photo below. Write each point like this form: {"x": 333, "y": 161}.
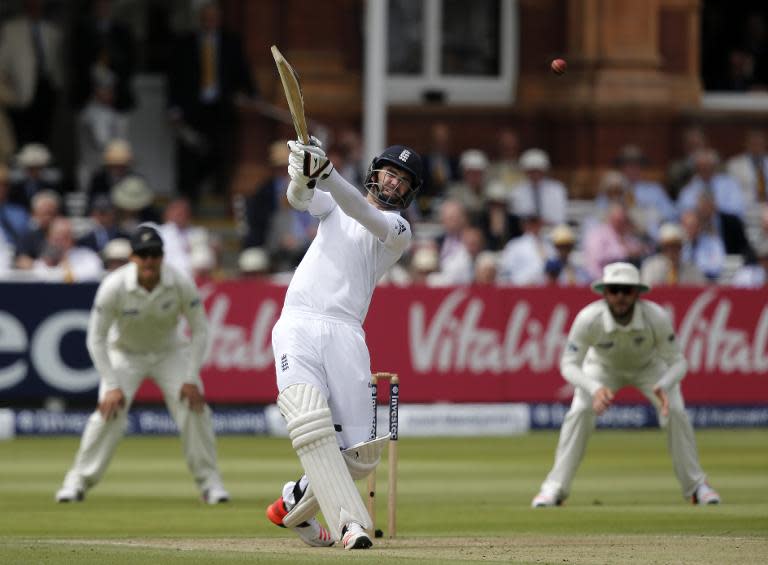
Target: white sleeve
{"x": 668, "y": 349}
{"x": 192, "y": 308}
{"x": 103, "y": 315}
{"x": 355, "y": 205}
{"x": 579, "y": 342}
{"x": 321, "y": 204}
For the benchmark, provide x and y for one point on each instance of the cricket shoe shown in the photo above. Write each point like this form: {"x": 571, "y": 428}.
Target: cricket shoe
{"x": 310, "y": 532}
{"x": 70, "y": 494}
{"x": 354, "y": 537}
{"x": 216, "y": 494}
{"x": 543, "y": 500}
{"x": 705, "y": 494}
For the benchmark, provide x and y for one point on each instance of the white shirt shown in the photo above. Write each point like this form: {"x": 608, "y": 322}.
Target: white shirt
{"x": 338, "y": 274}
{"x": 523, "y": 259}
{"x": 622, "y": 350}
{"x": 139, "y": 323}
{"x": 553, "y": 200}
{"x": 80, "y": 264}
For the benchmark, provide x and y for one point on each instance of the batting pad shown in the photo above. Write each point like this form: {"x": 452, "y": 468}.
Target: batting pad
{"x": 306, "y": 508}
{"x": 363, "y": 457}
{"x": 311, "y": 430}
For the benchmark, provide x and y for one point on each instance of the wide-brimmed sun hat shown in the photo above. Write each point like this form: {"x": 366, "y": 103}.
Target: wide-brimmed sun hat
{"x": 622, "y": 274}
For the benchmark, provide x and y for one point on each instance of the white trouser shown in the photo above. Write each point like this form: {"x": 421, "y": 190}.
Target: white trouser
{"x": 100, "y": 437}
{"x": 580, "y": 421}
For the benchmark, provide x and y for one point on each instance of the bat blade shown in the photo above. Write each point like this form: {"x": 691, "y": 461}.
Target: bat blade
{"x": 293, "y": 95}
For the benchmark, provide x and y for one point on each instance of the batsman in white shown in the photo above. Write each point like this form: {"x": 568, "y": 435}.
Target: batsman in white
{"x": 133, "y": 333}
{"x": 616, "y": 342}
{"x": 322, "y": 363}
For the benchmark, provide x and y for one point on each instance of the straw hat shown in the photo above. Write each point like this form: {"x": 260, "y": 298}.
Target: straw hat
{"x": 473, "y": 160}
{"x": 118, "y": 249}
{"x": 671, "y": 233}
{"x": 624, "y": 274}
{"x": 534, "y": 160}
{"x": 425, "y": 259}
{"x": 34, "y": 155}
{"x": 132, "y": 193}
{"x": 253, "y": 260}
{"x": 562, "y": 235}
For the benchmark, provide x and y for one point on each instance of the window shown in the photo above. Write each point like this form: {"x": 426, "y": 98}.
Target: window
{"x": 452, "y": 51}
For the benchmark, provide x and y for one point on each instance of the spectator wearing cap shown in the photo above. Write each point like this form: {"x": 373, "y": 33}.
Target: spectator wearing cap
{"x": 497, "y": 223}
{"x": 260, "y": 205}
{"x": 470, "y": 190}
{"x": 756, "y": 275}
{"x": 523, "y": 259}
{"x": 701, "y": 247}
{"x": 116, "y": 253}
{"x": 14, "y": 219}
{"x": 253, "y": 262}
{"x": 750, "y": 168}
{"x": 562, "y": 269}
{"x": 539, "y": 195}
{"x": 46, "y": 206}
{"x": 98, "y": 124}
{"x": 723, "y": 188}
{"x": 649, "y": 195}
{"x": 203, "y": 265}
{"x": 33, "y": 174}
{"x": 667, "y": 267}
{"x": 133, "y": 199}
{"x": 425, "y": 262}
{"x": 104, "y": 227}
{"x": 117, "y": 164}
{"x": 62, "y": 260}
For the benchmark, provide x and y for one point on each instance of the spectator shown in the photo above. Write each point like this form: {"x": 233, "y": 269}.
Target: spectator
{"x": 498, "y": 225}
{"x": 104, "y": 226}
{"x": 667, "y": 267}
{"x": 539, "y": 195}
{"x": 30, "y": 58}
{"x": 750, "y": 168}
{"x": 180, "y": 237}
{"x": 459, "y": 267}
{"x": 649, "y": 195}
{"x": 486, "y": 268}
{"x": 505, "y": 168}
{"x": 425, "y": 263}
{"x": 33, "y": 175}
{"x": 62, "y": 261}
{"x": 259, "y": 207}
{"x": 729, "y": 228}
{"x": 46, "y": 206}
{"x": 681, "y": 170}
{"x": 133, "y": 200}
{"x": 117, "y": 164}
{"x": 441, "y": 167}
{"x": 614, "y": 239}
{"x": 470, "y": 190}
{"x": 99, "y": 123}
{"x": 523, "y": 259}
{"x": 116, "y": 253}
{"x": 253, "y": 262}
{"x": 101, "y": 42}
{"x": 203, "y": 265}
{"x": 614, "y": 189}
{"x": 453, "y": 220}
{"x": 703, "y": 249}
{"x": 208, "y": 76}
{"x": 562, "y": 269}
{"x": 14, "y": 219}
{"x": 290, "y": 234}
{"x": 756, "y": 275}
{"x": 722, "y": 186}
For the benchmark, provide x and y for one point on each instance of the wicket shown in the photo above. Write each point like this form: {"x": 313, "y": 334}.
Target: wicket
{"x": 394, "y": 406}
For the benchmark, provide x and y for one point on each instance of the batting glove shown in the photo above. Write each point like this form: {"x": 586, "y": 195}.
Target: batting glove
{"x": 310, "y": 160}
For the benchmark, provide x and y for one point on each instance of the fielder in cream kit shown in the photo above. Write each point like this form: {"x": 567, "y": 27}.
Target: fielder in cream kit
{"x": 321, "y": 359}
{"x": 616, "y": 342}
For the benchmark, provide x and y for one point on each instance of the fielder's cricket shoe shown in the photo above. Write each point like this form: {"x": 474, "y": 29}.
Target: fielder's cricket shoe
{"x": 353, "y": 536}
{"x": 216, "y": 494}
{"x": 705, "y": 494}
{"x": 543, "y": 500}
{"x": 70, "y": 494}
{"x": 310, "y": 532}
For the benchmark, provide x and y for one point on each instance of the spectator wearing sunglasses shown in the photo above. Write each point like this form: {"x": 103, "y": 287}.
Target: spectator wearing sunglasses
{"x": 615, "y": 342}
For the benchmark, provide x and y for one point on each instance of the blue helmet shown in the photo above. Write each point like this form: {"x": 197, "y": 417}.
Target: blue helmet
{"x": 403, "y": 158}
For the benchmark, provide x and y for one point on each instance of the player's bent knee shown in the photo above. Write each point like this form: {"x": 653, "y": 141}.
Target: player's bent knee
{"x": 306, "y": 413}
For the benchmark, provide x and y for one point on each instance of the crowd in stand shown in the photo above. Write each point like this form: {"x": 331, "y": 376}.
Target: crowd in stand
{"x": 501, "y": 218}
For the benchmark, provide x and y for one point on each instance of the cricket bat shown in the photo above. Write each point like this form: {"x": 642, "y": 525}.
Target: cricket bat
{"x": 293, "y": 94}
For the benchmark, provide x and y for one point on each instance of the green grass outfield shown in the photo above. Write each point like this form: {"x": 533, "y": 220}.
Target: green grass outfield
{"x": 463, "y": 500}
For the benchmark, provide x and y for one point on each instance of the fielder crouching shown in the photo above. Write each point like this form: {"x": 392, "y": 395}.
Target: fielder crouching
{"x": 132, "y": 333}
{"x": 321, "y": 359}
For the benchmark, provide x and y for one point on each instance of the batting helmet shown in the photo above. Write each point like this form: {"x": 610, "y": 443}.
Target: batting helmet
{"x": 405, "y": 159}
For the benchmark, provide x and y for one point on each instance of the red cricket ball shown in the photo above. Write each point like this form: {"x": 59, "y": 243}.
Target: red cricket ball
{"x": 559, "y": 66}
